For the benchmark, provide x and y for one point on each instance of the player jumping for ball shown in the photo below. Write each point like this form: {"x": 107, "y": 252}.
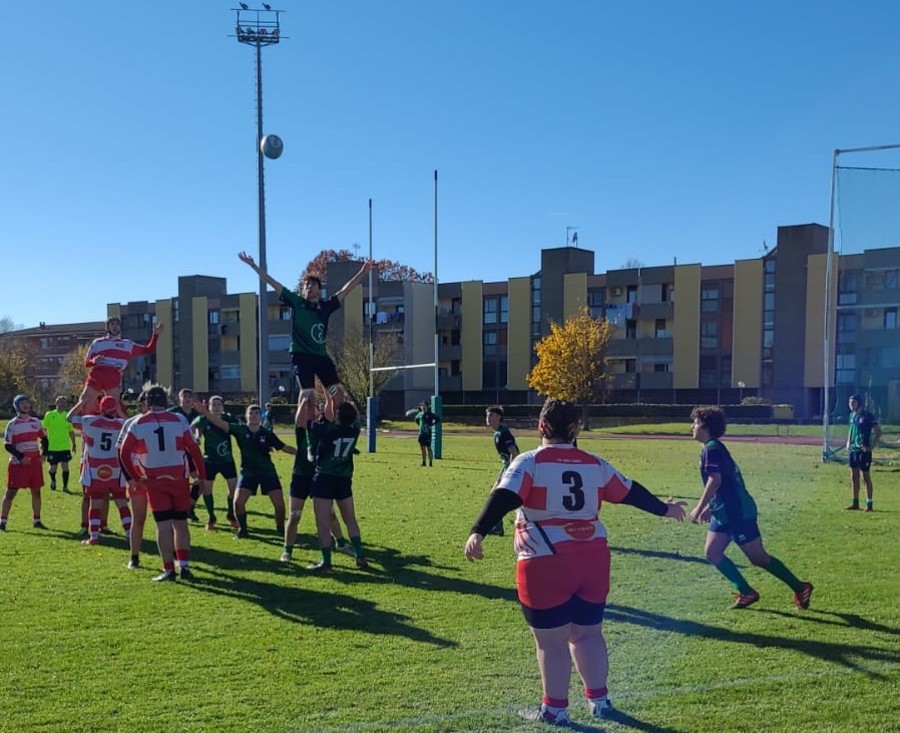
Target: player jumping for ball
{"x": 309, "y": 326}
{"x": 107, "y": 357}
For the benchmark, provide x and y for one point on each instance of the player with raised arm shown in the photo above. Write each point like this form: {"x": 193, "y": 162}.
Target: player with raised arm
{"x": 101, "y": 473}
{"x": 61, "y": 437}
{"x": 426, "y": 420}
{"x": 309, "y": 326}
{"x": 258, "y": 472}
{"x": 218, "y": 458}
{"x": 562, "y": 572}
{"x": 505, "y": 445}
{"x": 107, "y": 358}
{"x": 26, "y": 442}
{"x": 731, "y": 512}
{"x": 155, "y": 452}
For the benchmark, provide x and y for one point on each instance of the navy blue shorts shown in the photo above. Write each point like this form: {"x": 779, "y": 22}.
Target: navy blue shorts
{"x": 301, "y": 486}
{"x": 574, "y": 611}
{"x": 306, "y": 367}
{"x": 225, "y": 470}
{"x": 266, "y": 485}
{"x": 741, "y": 531}
{"x": 335, "y": 488}
{"x": 861, "y": 459}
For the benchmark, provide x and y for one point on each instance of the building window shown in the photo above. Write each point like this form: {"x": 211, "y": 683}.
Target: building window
{"x": 504, "y": 309}
{"x": 279, "y": 341}
{"x": 846, "y": 369}
{"x": 630, "y": 366}
{"x": 847, "y": 287}
{"x": 847, "y": 326}
{"x": 890, "y": 318}
{"x": 490, "y": 310}
{"x": 631, "y": 329}
{"x": 454, "y": 368}
{"x": 660, "y": 328}
{"x": 709, "y": 335}
{"x": 890, "y": 279}
{"x": 595, "y": 303}
{"x": 230, "y": 371}
{"x": 631, "y": 296}
{"x": 709, "y": 300}
{"x": 213, "y": 318}
{"x": 490, "y": 343}
{"x": 284, "y": 313}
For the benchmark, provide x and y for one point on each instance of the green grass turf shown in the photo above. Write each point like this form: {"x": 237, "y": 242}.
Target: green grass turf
{"x": 427, "y": 642}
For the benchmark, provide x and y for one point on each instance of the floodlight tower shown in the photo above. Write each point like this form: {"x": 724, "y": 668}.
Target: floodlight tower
{"x": 260, "y": 28}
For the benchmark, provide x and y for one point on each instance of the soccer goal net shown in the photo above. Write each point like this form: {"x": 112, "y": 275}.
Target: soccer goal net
{"x": 862, "y": 354}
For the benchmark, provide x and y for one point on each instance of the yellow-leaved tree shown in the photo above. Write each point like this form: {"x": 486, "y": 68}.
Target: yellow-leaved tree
{"x": 572, "y": 362}
{"x": 72, "y": 372}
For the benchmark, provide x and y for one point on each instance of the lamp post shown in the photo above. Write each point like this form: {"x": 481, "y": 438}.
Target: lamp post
{"x": 260, "y": 28}
{"x": 741, "y": 386}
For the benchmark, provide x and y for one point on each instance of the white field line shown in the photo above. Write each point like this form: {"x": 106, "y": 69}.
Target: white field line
{"x": 404, "y": 723}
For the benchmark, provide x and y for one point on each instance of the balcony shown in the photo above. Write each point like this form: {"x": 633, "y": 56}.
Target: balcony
{"x": 448, "y": 321}
{"x": 655, "y": 346}
{"x": 450, "y": 352}
{"x": 653, "y": 311}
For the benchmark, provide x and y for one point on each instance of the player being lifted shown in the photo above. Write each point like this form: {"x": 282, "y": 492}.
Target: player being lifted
{"x": 107, "y": 357}
{"x": 101, "y": 473}
{"x": 155, "y": 453}
{"x": 309, "y": 326}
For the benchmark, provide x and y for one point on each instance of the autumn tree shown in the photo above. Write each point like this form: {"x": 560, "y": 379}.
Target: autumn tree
{"x": 73, "y": 372}
{"x": 351, "y": 357}
{"x": 387, "y": 270}
{"x": 572, "y": 362}
{"x": 13, "y": 364}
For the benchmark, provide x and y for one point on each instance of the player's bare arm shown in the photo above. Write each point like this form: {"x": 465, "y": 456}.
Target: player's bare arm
{"x": 363, "y": 271}
{"x": 263, "y": 275}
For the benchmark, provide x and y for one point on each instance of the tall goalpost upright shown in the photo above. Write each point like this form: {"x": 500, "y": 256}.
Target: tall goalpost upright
{"x": 849, "y": 304}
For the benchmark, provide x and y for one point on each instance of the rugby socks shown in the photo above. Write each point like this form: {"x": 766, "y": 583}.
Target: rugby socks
{"x": 182, "y": 558}
{"x": 169, "y": 567}
{"x": 94, "y": 520}
{"x": 229, "y": 511}
{"x": 554, "y": 705}
{"x": 288, "y": 550}
{"x": 53, "y": 481}
{"x": 340, "y": 542}
{"x": 65, "y": 480}
{"x": 326, "y": 556}
{"x": 598, "y": 693}
{"x": 242, "y": 520}
{"x": 357, "y": 547}
{"x": 730, "y": 571}
{"x": 780, "y": 571}
{"x": 210, "y": 506}
{"x": 3, "y": 522}
{"x": 868, "y": 505}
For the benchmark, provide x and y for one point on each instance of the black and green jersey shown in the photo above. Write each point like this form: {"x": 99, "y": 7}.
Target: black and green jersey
{"x": 861, "y": 426}
{"x": 309, "y": 322}
{"x": 731, "y": 502}
{"x": 334, "y": 448}
{"x": 303, "y": 466}
{"x": 189, "y": 416}
{"x": 255, "y": 447}
{"x": 503, "y": 442}
{"x": 216, "y": 442}
{"x": 426, "y": 420}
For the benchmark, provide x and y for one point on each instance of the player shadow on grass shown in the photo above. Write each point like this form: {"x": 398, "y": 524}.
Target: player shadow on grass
{"x": 849, "y": 656}
{"x": 847, "y": 620}
{"x": 660, "y": 554}
{"x": 622, "y": 720}
{"x": 319, "y": 608}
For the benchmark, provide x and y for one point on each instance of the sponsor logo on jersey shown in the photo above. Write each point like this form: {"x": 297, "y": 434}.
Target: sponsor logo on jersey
{"x": 317, "y": 332}
{"x": 580, "y": 530}
{"x": 105, "y": 473}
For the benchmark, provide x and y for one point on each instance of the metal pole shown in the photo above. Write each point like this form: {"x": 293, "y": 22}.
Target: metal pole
{"x": 263, "y": 299}
{"x": 829, "y": 297}
{"x": 436, "y": 404}
{"x": 371, "y": 311}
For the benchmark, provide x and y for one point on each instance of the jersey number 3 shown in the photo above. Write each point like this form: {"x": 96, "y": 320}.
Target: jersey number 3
{"x": 574, "y": 500}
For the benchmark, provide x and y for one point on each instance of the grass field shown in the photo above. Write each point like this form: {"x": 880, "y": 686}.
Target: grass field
{"x": 426, "y": 642}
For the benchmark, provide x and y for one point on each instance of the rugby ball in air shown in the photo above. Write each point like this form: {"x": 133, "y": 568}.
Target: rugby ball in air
{"x": 271, "y": 146}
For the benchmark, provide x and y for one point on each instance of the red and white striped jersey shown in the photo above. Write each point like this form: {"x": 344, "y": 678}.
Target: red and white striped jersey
{"x": 116, "y": 352}
{"x": 157, "y": 444}
{"x": 24, "y": 434}
{"x": 99, "y": 459}
{"x": 561, "y": 488}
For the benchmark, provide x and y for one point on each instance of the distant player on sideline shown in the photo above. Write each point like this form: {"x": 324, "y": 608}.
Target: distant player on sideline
{"x": 309, "y": 326}
{"x": 155, "y": 453}
{"x": 218, "y": 459}
{"x": 26, "y": 442}
{"x": 137, "y": 493}
{"x": 61, "y": 437}
{"x": 107, "y": 357}
{"x": 863, "y": 435}
{"x": 257, "y": 469}
{"x": 505, "y": 444}
{"x": 101, "y": 473}
{"x": 426, "y": 420}
{"x": 731, "y": 512}
{"x": 562, "y": 573}
{"x": 335, "y": 440}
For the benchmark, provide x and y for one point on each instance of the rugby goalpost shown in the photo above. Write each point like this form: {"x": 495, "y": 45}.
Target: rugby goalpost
{"x": 372, "y": 400}
{"x": 862, "y": 216}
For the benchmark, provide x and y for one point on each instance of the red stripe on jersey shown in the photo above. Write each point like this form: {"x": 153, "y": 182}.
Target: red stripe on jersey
{"x": 614, "y": 491}
{"x": 535, "y": 498}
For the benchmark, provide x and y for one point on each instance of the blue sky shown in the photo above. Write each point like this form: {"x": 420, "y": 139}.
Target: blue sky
{"x": 660, "y": 129}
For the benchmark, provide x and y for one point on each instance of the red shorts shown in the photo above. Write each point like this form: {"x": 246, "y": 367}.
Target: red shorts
{"x": 103, "y": 489}
{"x": 136, "y": 489}
{"x": 25, "y": 475}
{"x": 580, "y": 571}
{"x": 103, "y": 379}
{"x": 164, "y": 495}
